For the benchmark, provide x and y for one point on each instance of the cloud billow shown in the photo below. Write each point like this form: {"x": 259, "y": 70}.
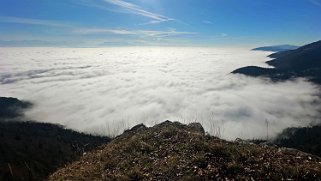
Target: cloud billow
{"x": 107, "y": 90}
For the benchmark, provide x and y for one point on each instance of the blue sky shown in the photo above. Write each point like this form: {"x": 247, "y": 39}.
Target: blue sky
{"x": 90, "y": 23}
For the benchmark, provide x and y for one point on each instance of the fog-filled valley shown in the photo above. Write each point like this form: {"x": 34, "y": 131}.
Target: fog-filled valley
{"x": 106, "y": 90}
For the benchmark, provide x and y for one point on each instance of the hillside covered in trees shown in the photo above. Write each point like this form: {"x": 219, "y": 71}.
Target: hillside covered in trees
{"x": 31, "y": 150}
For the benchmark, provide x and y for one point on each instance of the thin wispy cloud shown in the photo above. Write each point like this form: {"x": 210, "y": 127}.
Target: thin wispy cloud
{"x": 95, "y": 4}
{"x": 86, "y": 30}
{"x": 70, "y": 30}
{"x": 224, "y": 34}
{"x": 148, "y": 33}
{"x": 102, "y": 31}
{"x": 152, "y": 22}
{"x": 316, "y": 2}
{"x": 207, "y": 22}
{"x": 30, "y": 21}
{"x": 126, "y": 7}
{"x": 165, "y": 33}
{"x": 135, "y": 9}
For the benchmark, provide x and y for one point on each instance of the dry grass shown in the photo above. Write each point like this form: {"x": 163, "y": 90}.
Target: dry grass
{"x": 173, "y": 151}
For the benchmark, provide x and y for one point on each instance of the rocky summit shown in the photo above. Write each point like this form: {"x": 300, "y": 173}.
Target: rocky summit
{"x": 174, "y": 151}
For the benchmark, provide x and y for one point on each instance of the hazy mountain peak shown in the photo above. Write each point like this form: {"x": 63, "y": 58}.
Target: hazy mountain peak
{"x": 277, "y": 48}
{"x": 302, "y": 62}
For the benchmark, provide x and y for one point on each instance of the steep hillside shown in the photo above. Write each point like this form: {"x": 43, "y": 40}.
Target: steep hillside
{"x": 305, "y": 57}
{"x": 302, "y": 62}
{"x": 31, "y": 150}
{"x": 173, "y": 151}
{"x": 12, "y": 107}
{"x": 307, "y": 139}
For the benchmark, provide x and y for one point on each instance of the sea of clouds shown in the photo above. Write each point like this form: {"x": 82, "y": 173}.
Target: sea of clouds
{"x": 106, "y": 90}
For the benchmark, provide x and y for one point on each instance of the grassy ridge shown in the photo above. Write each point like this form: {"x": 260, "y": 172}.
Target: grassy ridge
{"x": 173, "y": 151}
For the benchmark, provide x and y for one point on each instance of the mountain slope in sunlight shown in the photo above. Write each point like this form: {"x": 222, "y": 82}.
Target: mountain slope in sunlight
{"x": 173, "y": 151}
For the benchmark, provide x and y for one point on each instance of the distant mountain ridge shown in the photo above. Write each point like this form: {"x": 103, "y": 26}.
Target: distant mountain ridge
{"x": 302, "y": 62}
{"x": 277, "y": 48}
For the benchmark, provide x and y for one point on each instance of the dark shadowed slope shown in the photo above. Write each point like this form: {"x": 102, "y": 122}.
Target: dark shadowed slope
{"x": 302, "y": 62}
{"x": 31, "y": 150}
{"x": 306, "y": 57}
{"x": 307, "y": 139}
{"x": 12, "y": 107}
{"x": 276, "y": 48}
{"x": 173, "y": 151}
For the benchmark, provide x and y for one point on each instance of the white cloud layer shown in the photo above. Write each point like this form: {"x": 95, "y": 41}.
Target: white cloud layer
{"x": 109, "y": 89}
